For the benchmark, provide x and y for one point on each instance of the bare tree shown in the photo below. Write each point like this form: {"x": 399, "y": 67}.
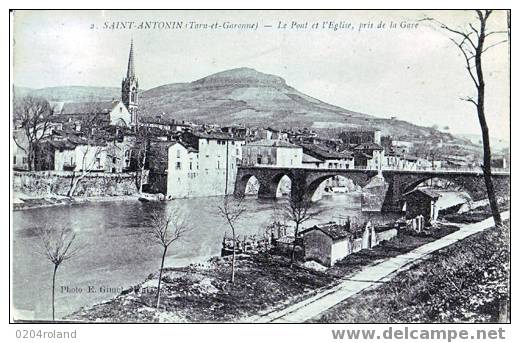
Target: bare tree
{"x": 472, "y": 42}
{"x": 91, "y": 148}
{"x": 56, "y": 245}
{"x": 164, "y": 229}
{"x": 141, "y": 154}
{"x": 298, "y": 210}
{"x": 35, "y": 115}
{"x": 232, "y": 209}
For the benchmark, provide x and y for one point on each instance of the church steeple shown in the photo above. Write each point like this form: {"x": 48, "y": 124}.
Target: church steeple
{"x": 131, "y": 69}
{"x": 130, "y": 86}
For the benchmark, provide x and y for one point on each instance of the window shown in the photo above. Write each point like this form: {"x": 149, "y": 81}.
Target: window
{"x": 238, "y": 152}
{"x": 177, "y": 165}
{"x": 98, "y": 162}
{"x": 259, "y": 159}
{"x": 191, "y": 165}
{"x": 178, "y": 153}
{"x": 14, "y": 159}
{"x": 218, "y": 164}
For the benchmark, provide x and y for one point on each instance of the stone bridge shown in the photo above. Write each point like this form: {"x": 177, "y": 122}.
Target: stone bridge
{"x": 305, "y": 181}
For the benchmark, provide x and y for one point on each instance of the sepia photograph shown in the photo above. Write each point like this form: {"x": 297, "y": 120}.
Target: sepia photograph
{"x": 260, "y": 166}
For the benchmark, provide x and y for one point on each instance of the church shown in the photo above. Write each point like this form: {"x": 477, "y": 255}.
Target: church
{"x": 122, "y": 112}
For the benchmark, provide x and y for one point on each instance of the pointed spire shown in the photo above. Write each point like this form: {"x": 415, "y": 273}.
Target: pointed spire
{"x": 130, "y": 73}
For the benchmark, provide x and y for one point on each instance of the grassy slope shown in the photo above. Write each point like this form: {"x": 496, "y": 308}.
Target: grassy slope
{"x": 263, "y": 283}
{"x": 465, "y": 282}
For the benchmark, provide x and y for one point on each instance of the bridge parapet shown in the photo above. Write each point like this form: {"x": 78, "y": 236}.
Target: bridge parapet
{"x": 305, "y": 181}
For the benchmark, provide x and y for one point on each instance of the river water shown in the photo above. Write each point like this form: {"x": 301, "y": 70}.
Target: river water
{"x": 116, "y": 255}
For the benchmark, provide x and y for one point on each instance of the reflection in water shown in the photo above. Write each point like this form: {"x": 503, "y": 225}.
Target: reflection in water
{"x": 116, "y": 255}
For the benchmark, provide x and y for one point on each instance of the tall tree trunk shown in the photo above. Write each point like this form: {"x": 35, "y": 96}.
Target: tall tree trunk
{"x": 142, "y": 175}
{"x": 74, "y": 184}
{"x": 483, "y": 125}
{"x": 233, "y": 257}
{"x": 293, "y": 252}
{"x": 30, "y": 157}
{"x": 53, "y": 289}
{"x": 158, "y": 297}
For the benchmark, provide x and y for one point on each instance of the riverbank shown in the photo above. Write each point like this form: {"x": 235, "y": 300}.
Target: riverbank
{"x": 264, "y": 283}
{"x": 21, "y": 203}
{"x": 467, "y": 281}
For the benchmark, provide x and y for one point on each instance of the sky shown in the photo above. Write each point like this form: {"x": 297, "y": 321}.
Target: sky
{"x": 413, "y": 72}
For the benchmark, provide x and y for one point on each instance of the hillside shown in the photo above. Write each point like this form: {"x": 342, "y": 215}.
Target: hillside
{"x": 246, "y": 96}
{"x": 241, "y": 96}
{"x": 71, "y": 93}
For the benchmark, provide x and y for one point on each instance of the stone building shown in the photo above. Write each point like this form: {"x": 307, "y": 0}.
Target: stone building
{"x": 326, "y": 244}
{"x": 19, "y": 148}
{"x": 199, "y": 164}
{"x": 94, "y": 113}
{"x": 356, "y": 137}
{"x": 272, "y": 153}
{"x": 318, "y": 157}
{"x": 369, "y": 156}
{"x": 422, "y": 201}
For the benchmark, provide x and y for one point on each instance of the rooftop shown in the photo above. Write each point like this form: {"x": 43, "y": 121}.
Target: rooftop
{"x": 92, "y": 107}
{"x": 333, "y": 230}
{"x": 368, "y": 146}
{"x": 216, "y": 135}
{"x": 273, "y": 143}
{"x": 324, "y": 154}
{"x": 427, "y": 192}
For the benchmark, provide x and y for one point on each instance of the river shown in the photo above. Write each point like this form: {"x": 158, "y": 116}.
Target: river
{"x": 116, "y": 255}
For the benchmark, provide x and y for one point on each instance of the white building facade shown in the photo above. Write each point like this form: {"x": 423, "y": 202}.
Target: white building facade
{"x": 272, "y": 153}
{"x": 205, "y": 165}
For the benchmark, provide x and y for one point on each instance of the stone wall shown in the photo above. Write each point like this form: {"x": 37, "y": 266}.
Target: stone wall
{"x": 374, "y": 194}
{"x": 48, "y": 183}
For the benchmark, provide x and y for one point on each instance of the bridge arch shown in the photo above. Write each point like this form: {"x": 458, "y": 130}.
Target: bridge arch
{"x": 474, "y": 187}
{"x": 358, "y": 179}
{"x": 269, "y": 188}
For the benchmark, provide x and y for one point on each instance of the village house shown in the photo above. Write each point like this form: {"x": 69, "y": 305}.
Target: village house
{"x": 78, "y": 155}
{"x": 499, "y": 162}
{"x": 326, "y": 244}
{"x": 369, "y": 156}
{"x": 272, "y": 153}
{"x": 105, "y": 152}
{"x": 422, "y": 202}
{"x": 99, "y": 113}
{"x": 304, "y": 135}
{"x": 356, "y": 137}
{"x": 163, "y": 124}
{"x": 394, "y": 159}
{"x": 236, "y": 131}
{"x": 19, "y": 149}
{"x": 402, "y": 145}
{"x": 331, "y": 242}
{"x": 271, "y": 134}
{"x": 199, "y": 164}
{"x": 318, "y": 157}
